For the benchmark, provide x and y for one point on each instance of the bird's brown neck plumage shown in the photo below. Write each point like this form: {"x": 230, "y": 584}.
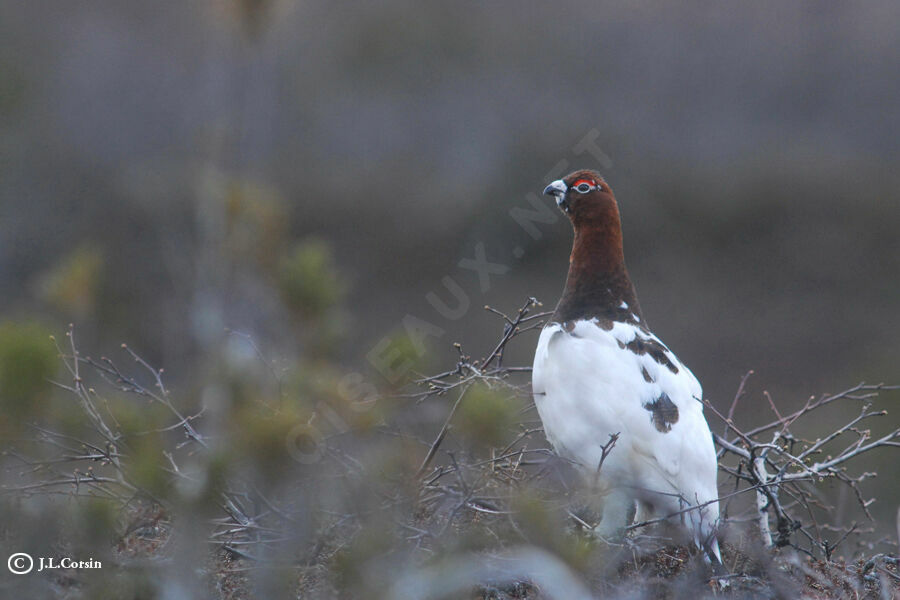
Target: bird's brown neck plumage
{"x": 598, "y": 285}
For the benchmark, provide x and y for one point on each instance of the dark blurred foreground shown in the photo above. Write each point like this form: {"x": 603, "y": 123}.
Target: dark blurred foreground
{"x": 310, "y": 483}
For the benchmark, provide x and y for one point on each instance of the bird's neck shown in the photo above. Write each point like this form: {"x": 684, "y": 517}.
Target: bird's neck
{"x": 598, "y": 285}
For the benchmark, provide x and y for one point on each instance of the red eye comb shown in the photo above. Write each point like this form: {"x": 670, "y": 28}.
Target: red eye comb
{"x": 590, "y": 182}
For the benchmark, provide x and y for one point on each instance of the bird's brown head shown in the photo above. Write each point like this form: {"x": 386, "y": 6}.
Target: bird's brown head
{"x": 585, "y": 197}
{"x": 598, "y": 282}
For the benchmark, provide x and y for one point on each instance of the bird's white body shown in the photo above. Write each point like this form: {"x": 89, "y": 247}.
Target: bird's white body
{"x": 592, "y": 379}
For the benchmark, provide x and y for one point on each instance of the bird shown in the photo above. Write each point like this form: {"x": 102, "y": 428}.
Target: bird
{"x": 611, "y": 396}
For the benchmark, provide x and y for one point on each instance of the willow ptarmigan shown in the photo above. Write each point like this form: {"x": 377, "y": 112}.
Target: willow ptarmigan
{"x": 598, "y": 370}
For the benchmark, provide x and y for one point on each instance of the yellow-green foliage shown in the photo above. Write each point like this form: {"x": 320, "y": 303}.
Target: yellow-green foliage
{"x": 71, "y": 286}
{"x": 486, "y": 417}
{"x": 399, "y": 356}
{"x": 205, "y": 476}
{"x": 146, "y": 465}
{"x": 263, "y": 437}
{"x": 137, "y": 583}
{"x": 256, "y": 221}
{"x": 316, "y": 400}
{"x": 140, "y": 422}
{"x": 356, "y": 565}
{"x": 544, "y": 524}
{"x": 309, "y": 280}
{"x": 134, "y": 415}
{"x": 346, "y": 395}
{"x": 27, "y": 362}
{"x": 92, "y": 525}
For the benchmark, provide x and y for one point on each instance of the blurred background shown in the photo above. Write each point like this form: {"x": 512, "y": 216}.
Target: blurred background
{"x": 188, "y": 176}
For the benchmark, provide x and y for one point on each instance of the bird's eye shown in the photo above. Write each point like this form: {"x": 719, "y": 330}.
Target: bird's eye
{"x": 583, "y": 188}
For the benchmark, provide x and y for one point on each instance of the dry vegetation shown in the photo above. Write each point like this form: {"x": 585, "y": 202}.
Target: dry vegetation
{"x": 442, "y": 488}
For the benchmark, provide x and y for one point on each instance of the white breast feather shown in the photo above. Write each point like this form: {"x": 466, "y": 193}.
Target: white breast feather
{"x": 586, "y": 386}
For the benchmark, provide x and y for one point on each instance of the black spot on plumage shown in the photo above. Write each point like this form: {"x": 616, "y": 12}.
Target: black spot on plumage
{"x": 663, "y": 413}
{"x": 604, "y": 323}
{"x": 652, "y": 348}
{"x": 646, "y": 375}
